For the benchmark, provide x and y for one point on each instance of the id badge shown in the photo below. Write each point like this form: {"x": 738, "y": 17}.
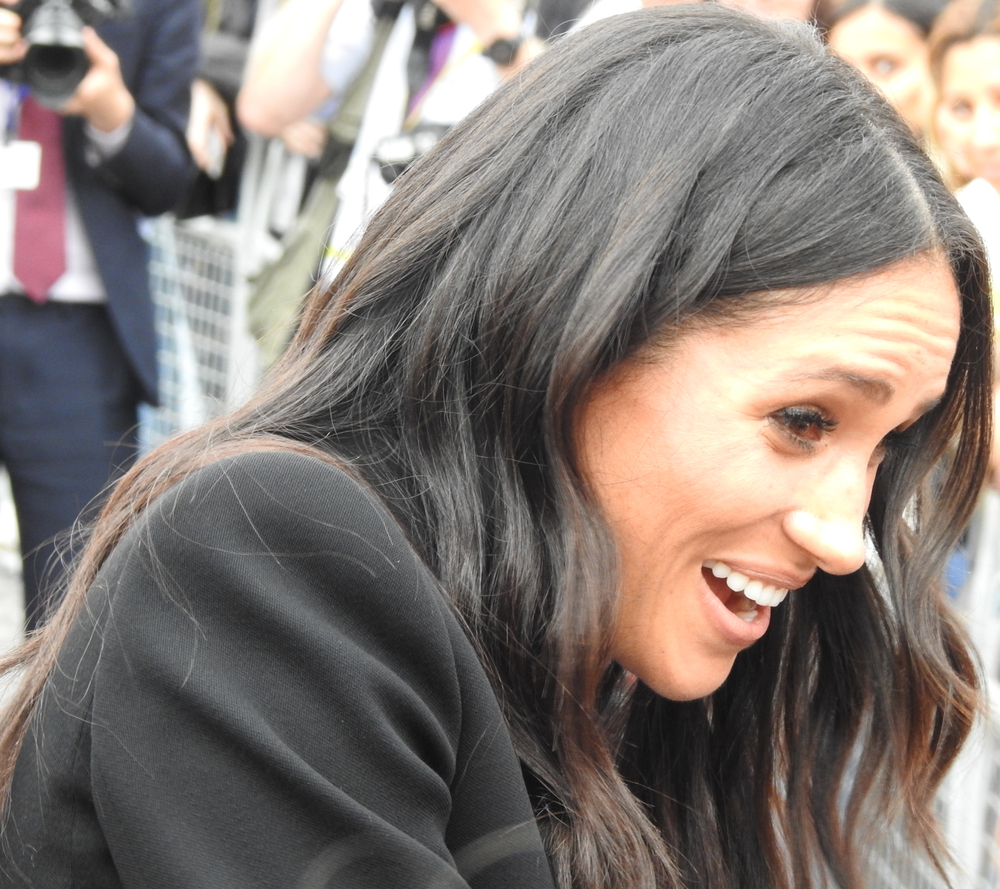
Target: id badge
{"x": 20, "y": 165}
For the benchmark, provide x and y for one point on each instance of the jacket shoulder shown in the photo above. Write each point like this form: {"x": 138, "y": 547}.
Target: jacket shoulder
{"x": 272, "y": 497}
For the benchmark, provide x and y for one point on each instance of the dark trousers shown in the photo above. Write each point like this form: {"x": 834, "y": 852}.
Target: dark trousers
{"x": 68, "y": 403}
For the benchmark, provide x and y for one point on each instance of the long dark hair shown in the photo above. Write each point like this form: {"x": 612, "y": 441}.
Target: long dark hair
{"x": 654, "y": 166}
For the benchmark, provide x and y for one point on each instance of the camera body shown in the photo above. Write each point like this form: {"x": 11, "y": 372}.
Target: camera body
{"x": 53, "y": 29}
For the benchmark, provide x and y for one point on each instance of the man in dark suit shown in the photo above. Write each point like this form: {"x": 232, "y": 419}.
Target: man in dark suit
{"x": 77, "y": 341}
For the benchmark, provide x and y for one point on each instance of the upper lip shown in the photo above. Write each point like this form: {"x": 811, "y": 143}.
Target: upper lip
{"x": 783, "y": 579}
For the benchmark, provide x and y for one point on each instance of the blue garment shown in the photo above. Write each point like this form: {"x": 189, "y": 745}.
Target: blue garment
{"x": 68, "y": 401}
{"x": 157, "y": 48}
{"x": 957, "y": 571}
{"x": 61, "y": 457}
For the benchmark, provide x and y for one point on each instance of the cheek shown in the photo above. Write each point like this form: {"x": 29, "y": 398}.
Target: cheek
{"x": 947, "y": 127}
{"x": 910, "y": 86}
{"x": 673, "y": 518}
{"x": 910, "y": 92}
{"x": 953, "y": 136}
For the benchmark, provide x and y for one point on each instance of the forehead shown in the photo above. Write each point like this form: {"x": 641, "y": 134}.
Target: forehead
{"x": 971, "y": 61}
{"x": 903, "y": 314}
{"x": 874, "y": 26}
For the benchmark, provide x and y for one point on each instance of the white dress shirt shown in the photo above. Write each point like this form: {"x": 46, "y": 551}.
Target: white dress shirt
{"x": 81, "y": 282}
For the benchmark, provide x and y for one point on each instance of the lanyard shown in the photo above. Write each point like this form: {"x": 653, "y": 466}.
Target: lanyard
{"x": 14, "y": 97}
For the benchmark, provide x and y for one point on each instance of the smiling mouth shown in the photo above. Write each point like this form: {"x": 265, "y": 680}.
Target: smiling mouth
{"x": 741, "y": 595}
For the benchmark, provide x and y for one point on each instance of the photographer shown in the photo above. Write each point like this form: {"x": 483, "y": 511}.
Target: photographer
{"x": 77, "y": 342}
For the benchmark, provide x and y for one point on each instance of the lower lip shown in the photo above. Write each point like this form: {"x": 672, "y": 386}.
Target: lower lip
{"x": 735, "y": 631}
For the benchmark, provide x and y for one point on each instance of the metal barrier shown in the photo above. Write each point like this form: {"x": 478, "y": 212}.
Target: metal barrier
{"x": 206, "y": 357}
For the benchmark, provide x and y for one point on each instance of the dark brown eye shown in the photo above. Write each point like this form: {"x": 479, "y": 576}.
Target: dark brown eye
{"x": 804, "y": 425}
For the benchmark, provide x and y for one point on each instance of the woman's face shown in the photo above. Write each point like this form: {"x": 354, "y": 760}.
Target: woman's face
{"x": 968, "y": 112}
{"x": 751, "y": 449}
{"x": 892, "y": 53}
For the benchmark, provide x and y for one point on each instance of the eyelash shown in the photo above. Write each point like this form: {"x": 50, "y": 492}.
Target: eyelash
{"x": 793, "y": 421}
{"x": 790, "y": 419}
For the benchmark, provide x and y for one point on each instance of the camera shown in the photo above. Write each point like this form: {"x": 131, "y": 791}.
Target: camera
{"x": 53, "y": 29}
{"x": 395, "y": 154}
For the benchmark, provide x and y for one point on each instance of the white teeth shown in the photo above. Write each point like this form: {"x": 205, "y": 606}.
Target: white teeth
{"x": 748, "y": 616}
{"x": 755, "y": 590}
{"x": 737, "y": 582}
{"x": 773, "y": 596}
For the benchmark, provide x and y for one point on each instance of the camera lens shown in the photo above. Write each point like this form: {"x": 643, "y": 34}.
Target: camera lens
{"x": 56, "y": 62}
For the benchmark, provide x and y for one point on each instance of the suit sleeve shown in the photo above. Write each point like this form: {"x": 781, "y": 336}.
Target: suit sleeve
{"x": 276, "y": 702}
{"x": 159, "y": 52}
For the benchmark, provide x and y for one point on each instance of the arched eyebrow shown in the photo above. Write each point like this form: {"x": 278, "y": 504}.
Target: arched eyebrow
{"x": 876, "y": 389}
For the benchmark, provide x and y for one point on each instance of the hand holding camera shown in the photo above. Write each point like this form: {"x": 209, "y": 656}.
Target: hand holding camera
{"x": 12, "y": 45}
{"x": 102, "y": 97}
{"x": 50, "y": 46}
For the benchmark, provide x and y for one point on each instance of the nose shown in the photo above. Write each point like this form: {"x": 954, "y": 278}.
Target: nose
{"x": 837, "y": 544}
{"x": 828, "y": 520}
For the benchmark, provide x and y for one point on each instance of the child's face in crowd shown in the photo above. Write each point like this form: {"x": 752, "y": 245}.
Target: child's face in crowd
{"x": 968, "y": 113}
{"x": 892, "y": 53}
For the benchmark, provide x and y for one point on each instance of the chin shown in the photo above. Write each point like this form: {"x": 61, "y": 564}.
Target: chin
{"x": 688, "y": 684}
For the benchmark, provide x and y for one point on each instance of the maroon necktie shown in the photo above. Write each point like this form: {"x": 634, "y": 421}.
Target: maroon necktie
{"x": 40, "y": 218}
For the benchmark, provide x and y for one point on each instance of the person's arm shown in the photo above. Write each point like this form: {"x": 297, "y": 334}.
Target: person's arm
{"x": 283, "y": 80}
{"x": 102, "y": 99}
{"x": 276, "y": 702}
{"x": 490, "y": 19}
{"x": 494, "y": 20}
{"x": 152, "y": 167}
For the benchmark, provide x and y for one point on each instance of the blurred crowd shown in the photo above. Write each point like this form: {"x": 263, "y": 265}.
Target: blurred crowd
{"x": 155, "y": 117}
{"x": 357, "y": 89}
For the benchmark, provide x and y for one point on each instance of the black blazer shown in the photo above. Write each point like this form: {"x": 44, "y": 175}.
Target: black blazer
{"x": 267, "y": 689}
